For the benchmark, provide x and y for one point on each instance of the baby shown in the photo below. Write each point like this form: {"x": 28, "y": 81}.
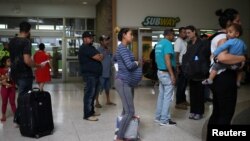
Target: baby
{"x": 234, "y": 46}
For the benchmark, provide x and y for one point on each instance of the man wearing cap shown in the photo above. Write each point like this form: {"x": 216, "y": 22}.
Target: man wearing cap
{"x": 91, "y": 69}
{"x": 107, "y": 71}
{"x": 165, "y": 60}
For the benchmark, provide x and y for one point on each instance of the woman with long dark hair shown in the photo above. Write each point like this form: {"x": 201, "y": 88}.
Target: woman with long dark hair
{"x": 224, "y": 87}
{"x": 198, "y": 50}
{"x": 128, "y": 76}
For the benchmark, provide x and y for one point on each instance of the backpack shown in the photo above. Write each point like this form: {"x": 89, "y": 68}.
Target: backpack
{"x": 196, "y": 65}
{"x": 149, "y": 72}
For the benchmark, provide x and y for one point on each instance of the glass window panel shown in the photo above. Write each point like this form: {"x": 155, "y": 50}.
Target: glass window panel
{"x": 50, "y": 24}
{"x": 90, "y": 24}
{"x": 50, "y": 21}
{"x": 75, "y": 27}
{"x": 13, "y": 22}
{"x": 3, "y": 26}
{"x": 73, "y": 69}
{"x": 45, "y": 27}
{"x": 59, "y": 27}
{"x": 74, "y": 33}
{"x": 75, "y": 24}
{"x": 73, "y": 46}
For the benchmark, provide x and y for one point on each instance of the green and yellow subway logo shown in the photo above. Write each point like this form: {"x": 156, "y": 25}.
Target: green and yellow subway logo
{"x": 161, "y": 21}
{"x": 4, "y": 53}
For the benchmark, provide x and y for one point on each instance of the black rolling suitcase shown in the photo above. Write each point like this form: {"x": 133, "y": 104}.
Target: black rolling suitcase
{"x": 35, "y": 114}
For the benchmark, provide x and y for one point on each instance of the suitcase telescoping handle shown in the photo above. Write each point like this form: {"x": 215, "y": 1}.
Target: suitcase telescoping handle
{"x": 36, "y": 89}
{"x": 37, "y": 93}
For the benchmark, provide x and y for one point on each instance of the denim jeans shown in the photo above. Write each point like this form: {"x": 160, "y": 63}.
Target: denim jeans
{"x": 24, "y": 86}
{"x": 90, "y": 92}
{"x": 166, "y": 90}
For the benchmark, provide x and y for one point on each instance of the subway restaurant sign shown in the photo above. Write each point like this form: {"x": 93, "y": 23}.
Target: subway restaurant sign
{"x": 161, "y": 21}
{"x": 4, "y": 53}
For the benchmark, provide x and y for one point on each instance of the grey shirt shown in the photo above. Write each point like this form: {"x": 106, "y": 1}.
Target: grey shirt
{"x": 106, "y": 62}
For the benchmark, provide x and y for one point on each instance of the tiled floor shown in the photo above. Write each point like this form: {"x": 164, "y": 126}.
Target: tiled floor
{"x": 69, "y": 125}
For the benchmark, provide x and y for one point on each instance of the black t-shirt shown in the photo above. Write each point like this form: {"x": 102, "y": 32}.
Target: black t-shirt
{"x": 18, "y": 47}
{"x": 89, "y": 66}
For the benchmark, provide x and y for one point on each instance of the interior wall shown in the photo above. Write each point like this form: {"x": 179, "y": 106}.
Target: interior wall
{"x": 46, "y": 10}
{"x": 200, "y": 13}
{"x": 104, "y": 18}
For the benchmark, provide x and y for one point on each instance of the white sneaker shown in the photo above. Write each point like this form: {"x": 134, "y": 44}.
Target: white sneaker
{"x": 170, "y": 122}
{"x": 92, "y": 118}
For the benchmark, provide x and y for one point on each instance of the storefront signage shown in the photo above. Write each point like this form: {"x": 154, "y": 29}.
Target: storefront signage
{"x": 4, "y": 53}
{"x": 161, "y": 21}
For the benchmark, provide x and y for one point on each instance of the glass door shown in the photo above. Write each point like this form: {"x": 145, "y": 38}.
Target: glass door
{"x": 72, "y": 64}
{"x": 146, "y": 42}
{"x": 53, "y": 45}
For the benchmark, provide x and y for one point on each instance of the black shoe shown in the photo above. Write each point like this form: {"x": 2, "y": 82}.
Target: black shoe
{"x": 170, "y": 122}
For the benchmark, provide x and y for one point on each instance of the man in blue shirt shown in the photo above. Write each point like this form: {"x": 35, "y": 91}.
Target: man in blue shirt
{"x": 165, "y": 59}
{"x": 106, "y": 71}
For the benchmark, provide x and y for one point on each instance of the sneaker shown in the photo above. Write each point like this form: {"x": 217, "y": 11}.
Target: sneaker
{"x": 207, "y": 82}
{"x": 92, "y": 118}
{"x": 191, "y": 116}
{"x": 170, "y": 122}
{"x": 96, "y": 114}
{"x": 197, "y": 117}
{"x": 181, "y": 106}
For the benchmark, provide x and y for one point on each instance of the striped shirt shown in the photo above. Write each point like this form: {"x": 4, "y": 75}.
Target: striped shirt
{"x": 128, "y": 70}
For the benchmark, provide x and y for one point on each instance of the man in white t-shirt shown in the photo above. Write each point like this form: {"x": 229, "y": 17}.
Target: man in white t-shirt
{"x": 180, "y": 48}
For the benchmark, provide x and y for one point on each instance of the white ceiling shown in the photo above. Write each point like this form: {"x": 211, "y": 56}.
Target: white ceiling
{"x": 64, "y": 2}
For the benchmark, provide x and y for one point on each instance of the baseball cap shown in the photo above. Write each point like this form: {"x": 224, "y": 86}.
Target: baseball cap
{"x": 88, "y": 34}
{"x": 104, "y": 37}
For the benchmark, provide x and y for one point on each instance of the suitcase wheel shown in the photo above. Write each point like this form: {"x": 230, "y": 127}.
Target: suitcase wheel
{"x": 37, "y": 136}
